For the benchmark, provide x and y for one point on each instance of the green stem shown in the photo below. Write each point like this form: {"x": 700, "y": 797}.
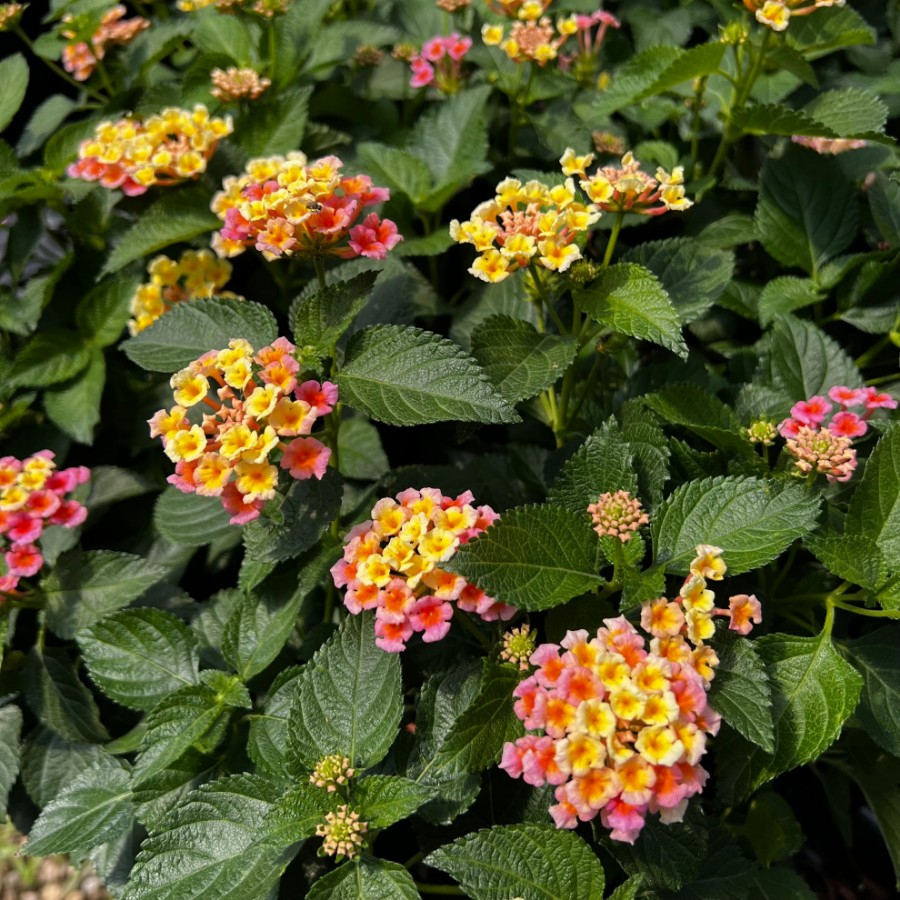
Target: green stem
{"x": 613, "y": 237}
{"x": 416, "y": 857}
{"x": 544, "y": 299}
{"x": 319, "y": 264}
{"x": 884, "y": 379}
{"x": 104, "y": 77}
{"x": 696, "y": 122}
{"x": 862, "y": 611}
{"x": 865, "y": 358}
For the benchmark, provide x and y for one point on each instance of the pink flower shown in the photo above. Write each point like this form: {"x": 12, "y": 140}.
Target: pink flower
{"x": 457, "y": 47}
{"x": 8, "y": 584}
{"x": 874, "y": 400}
{"x": 433, "y": 49}
{"x": 70, "y": 514}
{"x": 43, "y": 503}
{"x": 745, "y": 610}
{"x": 624, "y": 819}
{"x": 848, "y": 396}
{"x": 789, "y": 428}
{"x": 24, "y": 560}
{"x": 812, "y": 411}
{"x": 431, "y": 616}
{"x": 374, "y": 237}
{"x": 320, "y": 396}
{"x": 392, "y": 636}
{"x": 306, "y": 458}
{"x": 848, "y": 424}
{"x": 23, "y": 529}
{"x": 233, "y": 501}
{"x": 422, "y": 73}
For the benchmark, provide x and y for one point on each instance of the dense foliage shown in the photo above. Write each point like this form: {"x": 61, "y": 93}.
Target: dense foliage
{"x": 451, "y": 447}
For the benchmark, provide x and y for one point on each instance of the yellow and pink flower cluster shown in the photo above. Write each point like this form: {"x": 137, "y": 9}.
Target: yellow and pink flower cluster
{"x": 261, "y": 410}
{"x": 284, "y": 206}
{"x": 392, "y": 564}
{"x": 33, "y": 495}
{"x": 198, "y": 273}
{"x": 620, "y": 727}
{"x": 134, "y": 154}
{"x": 81, "y": 56}
{"x": 776, "y": 14}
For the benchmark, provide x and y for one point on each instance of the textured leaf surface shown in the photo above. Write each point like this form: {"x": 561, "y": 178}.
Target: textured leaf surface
{"x": 852, "y": 557}
{"x": 740, "y": 691}
{"x": 365, "y": 879}
{"x": 49, "y": 763}
{"x": 875, "y": 508}
{"x": 74, "y": 406}
{"x": 10, "y": 750}
{"x": 268, "y": 740}
{"x": 784, "y": 295}
{"x": 213, "y": 845}
{"x": 405, "y": 376}
{"x": 348, "y": 698}
{"x": 189, "y": 520}
{"x": 529, "y": 861}
{"x": 94, "y": 809}
{"x": 813, "y": 692}
{"x": 191, "y": 329}
{"x": 138, "y": 656}
{"x": 533, "y": 557}
{"x": 630, "y": 299}
{"x": 52, "y": 356}
{"x": 520, "y": 362}
{"x": 751, "y": 519}
{"x": 385, "y": 799}
{"x": 14, "y": 77}
{"x": 85, "y": 587}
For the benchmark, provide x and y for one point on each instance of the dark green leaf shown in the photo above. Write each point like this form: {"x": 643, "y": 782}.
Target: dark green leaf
{"x": 190, "y": 520}
{"x": 191, "y": 329}
{"x": 50, "y": 357}
{"x": 534, "y": 557}
{"x": 360, "y": 450}
{"x": 14, "y": 78}
{"x": 365, "y": 879}
{"x": 852, "y": 557}
{"x": 103, "y": 313}
{"x": 268, "y": 740}
{"x": 74, "y": 406}
{"x": 276, "y": 126}
{"x": 771, "y": 828}
{"x": 382, "y": 800}
{"x": 785, "y": 295}
{"x": 10, "y": 750}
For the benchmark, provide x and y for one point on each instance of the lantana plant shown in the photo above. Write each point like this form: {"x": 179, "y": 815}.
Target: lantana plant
{"x": 450, "y": 447}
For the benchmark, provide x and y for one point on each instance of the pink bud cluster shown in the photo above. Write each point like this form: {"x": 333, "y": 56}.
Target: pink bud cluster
{"x": 825, "y": 447}
{"x": 262, "y": 409}
{"x": 620, "y": 727}
{"x": 80, "y": 58}
{"x": 830, "y": 146}
{"x": 617, "y": 515}
{"x": 391, "y": 564}
{"x": 440, "y": 63}
{"x": 285, "y": 206}
{"x": 33, "y": 495}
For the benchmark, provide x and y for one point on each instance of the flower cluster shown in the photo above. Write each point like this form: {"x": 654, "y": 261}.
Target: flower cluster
{"x": 826, "y": 448}
{"x": 518, "y": 645}
{"x": 525, "y": 222}
{"x": 831, "y": 146}
{"x": 531, "y": 40}
{"x": 440, "y": 63}
{"x": 260, "y": 405}
{"x": 237, "y": 84}
{"x": 526, "y": 10}
{"x": 163, "y": 149}
{"x": 776, "y": 14}
{"x": 589, "y": 41}
{"x": 628, "y": 189}
{"x": 620, "y": 727}
{"x": 266, "y": 8}
{"x": 331, "y": 772}
{"x": 286, "y": 205}
{"x": 617, "y": 515}
{"x": 452, "y": 6}
{"x": 391, "y": 564}
{"x": 343, "y": 833}
{"x": 198, "y": 273}
{"x": 10, "y": 13}
{"x": 33, "y": 494}
{"x": 80, "y": 57}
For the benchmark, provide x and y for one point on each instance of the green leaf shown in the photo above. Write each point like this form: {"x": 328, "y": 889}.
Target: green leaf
{"x": 293, "y": 522}
{"x": 805, "y": 361}
{"x": 601, "y": 464}
{"x": 771, "y": 828}
{"x": 877, "y": 657}
{"x": 520, "y": 362}
{"x": 50, "y": 357}
{"x": 104, "y": 311}
{"x": 849, "y": 112}
{"x": 475, "y": 740}
{"x": 534, "y": 557}
{"x": 784, "y": 295}
{"x": 59, "y": 699}
{"x": 268, "y": 740}
{"x": 751, "y": 519}
{"x": 702, "y": 413}
{"x": 382, "y": 800}
{"x": 740, "y": 691}
{"x": 884, "y": 202}
{"x": 191, "y": 329}
{"x": 84, "y": 587}
{"x": 774, "y": 118}
{"x": 276, "y": 126}
{"x": 405, "y": 376}
{"x": 813, "y": 693}
{"x": 361, "y": 453}
{"x": 875, "y": 508}
{"x": 155, "y": 802}
{"x": 692, "y": 273}
{"x": 94, "y": 809}
{"x": 651, "y": 450}
{"x": 365, "y": 879}
{"x": 630, "y": 299}
{"x": 632, "y": 80}
{"x": 319, "y": 320}
{"x": 691, "y": 64}
{"x": 830, "y": 29}
{"x": 176, "y": 722}
{"x": 798, "y": 223}
{"x": 10, "y": 750}
{"x": 190, "y": 520}
{"x": 396, "y": 169}
{"x": 213, "y": 844}
{"x": 74, "y": 406}
{"x": 627, "y": 890}
{"x": 175, "y": 217}
{"x": 229, "y": 36}
{"x": 779, "y": 884}
{"x": 348, "y": 699}
{"x": 852, "y": 557}
{"x": 528, "y": 861}
{"x": 50, "y": 763}
{"x": 44, "y": 122}
{"x": 139, "y": 656}
{"x": 14, "y": 78}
